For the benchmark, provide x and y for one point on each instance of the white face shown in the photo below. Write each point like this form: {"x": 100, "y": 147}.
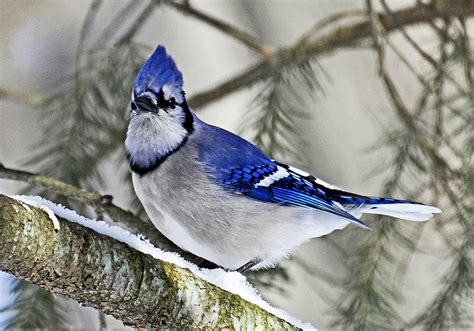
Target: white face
{"x": 156, "y": 126}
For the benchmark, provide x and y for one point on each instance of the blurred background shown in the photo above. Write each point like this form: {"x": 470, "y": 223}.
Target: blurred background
{"x": 387, "y": 114}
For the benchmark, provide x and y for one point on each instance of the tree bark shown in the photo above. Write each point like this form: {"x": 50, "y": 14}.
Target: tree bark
{"x": 100, "y": 272}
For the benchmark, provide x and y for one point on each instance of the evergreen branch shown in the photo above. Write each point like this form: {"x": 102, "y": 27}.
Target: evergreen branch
{"x": 337, "y": 38}
{"x": 452, "y": 303}
{"x": 138, "y": 22}
{"x": 329, "y": 20}
{"x": 100, "y": 272}
{"x": 412, "y": 127}
{"x": 270, "y": 279}
{"x": 40, "y": 307}
{"x": 425, "y": 55}
{"x": 16, "y": 96}
{"x": 92, "y": 13}
{"x": 467, "y": 53}
{"x": 447, "y": 309}
{"x": 115, "y": 24}
{"x": 420, "y": 77}
{"x": 104, "y": 88}
{"x": 232, "y": 31}
{"x": 370, "y": 304}
{"x": 439, "y": 164}
{"x": 33, "y": 308}
{"x": 274, "y": 118}
{"x": 450, "y": 307}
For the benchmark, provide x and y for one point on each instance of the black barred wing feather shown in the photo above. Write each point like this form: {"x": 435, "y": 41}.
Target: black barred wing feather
{"x": 277, "y": 183}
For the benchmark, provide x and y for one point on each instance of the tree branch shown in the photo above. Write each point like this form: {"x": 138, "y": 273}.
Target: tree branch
{"x": 241, "y": 36}
{"x": 325, "y": 22}
{"x": 100, "y": 272}
{"x": 337, "y": 38}
{"x": 138, "y": 23}
{"x": 425, "y": 54}
{"x": 95, "y": 200}
{"x": 28, "y": 99}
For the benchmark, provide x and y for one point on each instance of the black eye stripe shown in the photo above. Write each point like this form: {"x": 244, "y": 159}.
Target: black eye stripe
{"x": 163, "y": 103}
{"x": 158, "y": 101}
{"x": 161, "y": 99}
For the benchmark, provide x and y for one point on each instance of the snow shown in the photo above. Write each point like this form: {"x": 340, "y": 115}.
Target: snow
{"x": 233, "y": 282}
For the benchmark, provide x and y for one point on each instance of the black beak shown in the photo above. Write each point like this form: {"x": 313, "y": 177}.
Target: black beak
{"x": 144, "y": 103}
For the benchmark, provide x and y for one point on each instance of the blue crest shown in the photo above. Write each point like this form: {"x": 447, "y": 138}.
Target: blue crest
{"x": 160, "y": 69}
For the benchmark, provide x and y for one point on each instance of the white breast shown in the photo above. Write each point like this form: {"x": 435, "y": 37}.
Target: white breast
{"x": 150, "y": 196}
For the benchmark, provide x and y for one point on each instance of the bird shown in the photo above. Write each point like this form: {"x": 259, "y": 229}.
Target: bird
{"x": 218, "y": 196}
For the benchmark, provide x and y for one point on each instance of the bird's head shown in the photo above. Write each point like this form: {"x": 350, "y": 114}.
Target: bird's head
{"x": 160, "y": 119}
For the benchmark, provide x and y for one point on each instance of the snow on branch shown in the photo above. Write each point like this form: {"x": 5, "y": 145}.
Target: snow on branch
{"x": 95, "y": 200}
{"x": 124, "y": 275}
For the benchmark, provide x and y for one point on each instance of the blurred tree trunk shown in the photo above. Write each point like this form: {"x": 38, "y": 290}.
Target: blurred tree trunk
{"x": 100, "y": 272}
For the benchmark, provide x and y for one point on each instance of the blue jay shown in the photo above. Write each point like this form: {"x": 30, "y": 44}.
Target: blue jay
{"x": 219, "y": 197}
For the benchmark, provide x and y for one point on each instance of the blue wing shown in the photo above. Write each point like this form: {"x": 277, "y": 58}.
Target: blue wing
{"x": 241, "y": 167}
{"x": 278, "y": 183}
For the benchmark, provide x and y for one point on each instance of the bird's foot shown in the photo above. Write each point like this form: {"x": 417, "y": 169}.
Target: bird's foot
{"x": 249, "y": 265}
{"x": 205, "y": 264}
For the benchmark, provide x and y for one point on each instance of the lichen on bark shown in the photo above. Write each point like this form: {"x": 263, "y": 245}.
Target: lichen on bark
{"x": 100, "y": 272}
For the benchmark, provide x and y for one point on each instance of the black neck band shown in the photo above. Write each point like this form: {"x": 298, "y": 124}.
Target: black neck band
{"x": 188, "y": 124}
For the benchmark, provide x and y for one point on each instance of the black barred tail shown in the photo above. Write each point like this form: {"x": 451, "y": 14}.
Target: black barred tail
{"x": 302, "y": 187}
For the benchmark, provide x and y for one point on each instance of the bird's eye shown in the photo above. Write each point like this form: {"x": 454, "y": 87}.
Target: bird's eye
{"x": 133, "y": 106}
{"x": 172, "y": 103}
